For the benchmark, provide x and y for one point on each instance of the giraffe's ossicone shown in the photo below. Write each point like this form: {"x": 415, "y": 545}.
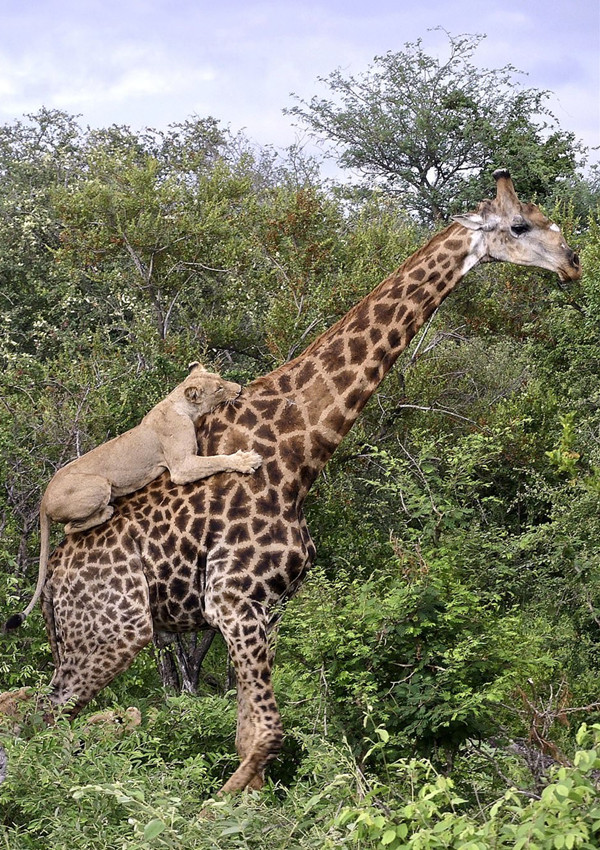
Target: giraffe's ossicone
{"x": 224, "y": 551}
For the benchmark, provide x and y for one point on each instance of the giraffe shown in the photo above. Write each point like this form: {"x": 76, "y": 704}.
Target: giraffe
{"x": 223, "y": 552}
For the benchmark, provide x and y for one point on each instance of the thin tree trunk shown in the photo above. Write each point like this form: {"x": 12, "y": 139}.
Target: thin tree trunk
{"x": 180, "y": 659}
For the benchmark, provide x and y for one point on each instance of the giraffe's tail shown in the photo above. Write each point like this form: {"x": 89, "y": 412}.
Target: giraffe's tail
{"x": 14, "y": 622}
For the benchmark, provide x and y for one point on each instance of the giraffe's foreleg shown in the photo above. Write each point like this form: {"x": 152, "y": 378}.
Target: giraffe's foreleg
{"x": 259, "y": 733}
{"x": 245, "y": 728}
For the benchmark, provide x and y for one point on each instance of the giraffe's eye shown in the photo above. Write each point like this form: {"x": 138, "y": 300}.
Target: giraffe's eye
{"x": 519, "y": 226}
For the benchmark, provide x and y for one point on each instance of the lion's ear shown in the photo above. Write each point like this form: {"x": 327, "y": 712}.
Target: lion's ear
{"x": 196, "y": 365}
{"x": 193, "y": 394}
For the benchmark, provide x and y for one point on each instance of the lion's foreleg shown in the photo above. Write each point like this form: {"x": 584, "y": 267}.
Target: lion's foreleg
{"x": 193, "y": 468}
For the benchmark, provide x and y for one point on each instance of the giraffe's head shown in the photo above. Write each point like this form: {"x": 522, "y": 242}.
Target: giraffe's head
{"x": 519, "y": 233}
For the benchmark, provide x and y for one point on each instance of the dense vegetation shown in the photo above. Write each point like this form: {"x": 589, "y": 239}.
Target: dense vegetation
{"x": 436, "y": 669}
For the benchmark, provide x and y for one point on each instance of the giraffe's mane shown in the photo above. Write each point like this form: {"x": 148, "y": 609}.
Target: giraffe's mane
{"x": 264, "y": 381}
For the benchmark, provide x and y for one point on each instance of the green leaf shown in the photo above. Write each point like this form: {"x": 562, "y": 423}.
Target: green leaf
{"x": 388, "y": 836}
{"x": 232, "y": 830}
{"x": 154, "y": 828}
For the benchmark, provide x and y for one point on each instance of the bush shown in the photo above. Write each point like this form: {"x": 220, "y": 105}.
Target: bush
{"x": 410, "y": 648}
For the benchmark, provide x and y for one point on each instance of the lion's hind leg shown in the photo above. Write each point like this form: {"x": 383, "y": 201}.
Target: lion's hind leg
{"x": 95, "y": 519}
{"x": 80, "y": 500}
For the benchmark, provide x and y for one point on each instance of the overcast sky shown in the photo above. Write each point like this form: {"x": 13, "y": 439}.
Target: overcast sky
{"x": 150, "y": 63}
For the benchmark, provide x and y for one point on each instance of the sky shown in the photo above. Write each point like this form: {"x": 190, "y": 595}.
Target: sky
{"x": 152, "y": 63}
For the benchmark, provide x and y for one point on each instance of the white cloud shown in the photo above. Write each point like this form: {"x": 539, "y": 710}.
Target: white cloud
{"x": 155, "y": 62}
{"x": 131, "y": 84}
{"x": 7, "y": 87}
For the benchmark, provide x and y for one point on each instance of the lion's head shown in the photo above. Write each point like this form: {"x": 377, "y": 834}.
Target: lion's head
{"x": 204, "y": 390}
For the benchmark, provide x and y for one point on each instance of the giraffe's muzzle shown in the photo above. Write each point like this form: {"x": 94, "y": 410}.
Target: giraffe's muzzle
{"x": 572, "y": 269}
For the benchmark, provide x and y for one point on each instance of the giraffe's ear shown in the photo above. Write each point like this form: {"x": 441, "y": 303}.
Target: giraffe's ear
{"x": 471, "y": 220}
{"x": 474, "y": 221}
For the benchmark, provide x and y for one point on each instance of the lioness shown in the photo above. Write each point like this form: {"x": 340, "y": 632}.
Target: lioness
{"x": 81, "y": 492}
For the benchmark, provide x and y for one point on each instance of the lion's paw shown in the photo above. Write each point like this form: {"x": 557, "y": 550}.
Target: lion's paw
{"x": 248, "y": 461}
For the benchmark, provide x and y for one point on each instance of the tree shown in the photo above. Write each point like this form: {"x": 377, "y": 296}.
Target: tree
{"x": 433, "y": 131}
{"x": 147, "y": 219}
{"x": 35, "y": 156}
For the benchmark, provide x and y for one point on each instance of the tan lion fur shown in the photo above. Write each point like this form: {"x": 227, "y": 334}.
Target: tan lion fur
{"x": 17, "y": 706}
{"x": 14, "y": 706}
{"x": 80, "y": 494}
{"x": 116, "y": 721}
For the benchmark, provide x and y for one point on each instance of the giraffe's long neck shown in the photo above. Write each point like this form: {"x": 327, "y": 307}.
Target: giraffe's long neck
{"x": 351, "y": 358}
{"x": 307, "y": 405}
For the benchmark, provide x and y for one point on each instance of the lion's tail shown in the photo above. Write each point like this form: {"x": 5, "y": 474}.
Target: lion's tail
{"x": 17, "y": 619}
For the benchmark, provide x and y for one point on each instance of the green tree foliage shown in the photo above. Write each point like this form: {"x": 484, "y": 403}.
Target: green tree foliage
{"x": 34, "y": 157}
{"x": 432, "y": 130}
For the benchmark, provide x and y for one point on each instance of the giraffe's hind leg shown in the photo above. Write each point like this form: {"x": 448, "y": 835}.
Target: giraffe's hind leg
{"x": 97, "y": 621}
{"x": 260, "y": 733}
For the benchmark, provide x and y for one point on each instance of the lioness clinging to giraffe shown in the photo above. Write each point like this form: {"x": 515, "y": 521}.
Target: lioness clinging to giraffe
{"x": 224, "y": 551}
{"x": 82, "y": 492}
